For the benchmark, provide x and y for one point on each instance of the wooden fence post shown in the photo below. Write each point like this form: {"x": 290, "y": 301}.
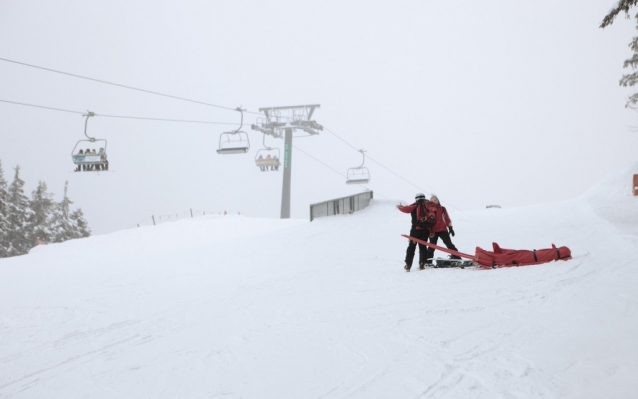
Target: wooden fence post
{"x": 153, "y": 216}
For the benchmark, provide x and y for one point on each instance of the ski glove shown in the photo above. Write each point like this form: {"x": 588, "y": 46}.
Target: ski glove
{"x": 451, "y": 231}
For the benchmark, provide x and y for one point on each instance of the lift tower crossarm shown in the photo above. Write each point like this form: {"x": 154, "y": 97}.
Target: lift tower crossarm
{"x": 311, "y": 106}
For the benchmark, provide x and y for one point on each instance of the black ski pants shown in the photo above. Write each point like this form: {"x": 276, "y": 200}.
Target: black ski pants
{"x": 423, "y": 249}
{"x": 445, "y": 236}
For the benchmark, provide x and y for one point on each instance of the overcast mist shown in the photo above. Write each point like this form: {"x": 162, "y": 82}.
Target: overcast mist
{"x": 492, "y": 102}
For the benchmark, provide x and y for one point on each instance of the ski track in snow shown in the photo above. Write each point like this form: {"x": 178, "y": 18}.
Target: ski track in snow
{"x": 234, "y": 307}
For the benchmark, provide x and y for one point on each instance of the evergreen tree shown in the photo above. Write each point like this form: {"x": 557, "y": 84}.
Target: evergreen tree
{"x": 42, "y": 206}
{"x": 63, "y": 227}
{"x": 621, "y": 6}
{"x": 4, "y": 209}
{"x": 17, "y": 215}
{"x": 23, "y": 220}
{"x": 631, "y": 79}
{"x": 81, "y": 226}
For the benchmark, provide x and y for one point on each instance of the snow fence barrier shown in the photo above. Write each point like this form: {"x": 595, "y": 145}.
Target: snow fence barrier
{"x": 341, "y": 206}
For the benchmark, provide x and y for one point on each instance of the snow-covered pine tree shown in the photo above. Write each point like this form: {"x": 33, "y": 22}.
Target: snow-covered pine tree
{"x": 17, "y": 214}
{"x": 631, "y": 79}
{"x": 42, "y": 207}
{"x": 621, "y": 6}
{"x": 4, "y": 208}
{"x": 62, "y": 225}
{"x": 81, "y": 226}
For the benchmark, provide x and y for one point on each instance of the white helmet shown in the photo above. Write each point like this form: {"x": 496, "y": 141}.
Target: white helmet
{"x": 419, "y": 196}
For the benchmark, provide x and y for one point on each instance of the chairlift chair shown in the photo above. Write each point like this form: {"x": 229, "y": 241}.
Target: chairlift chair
{"x": 268, "y": 157}
{"x": 359, "y": 174}
{"x": 90, "y": 162}
{"x": 235, "y": 142}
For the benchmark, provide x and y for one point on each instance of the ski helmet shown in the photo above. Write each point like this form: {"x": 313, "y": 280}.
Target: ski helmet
{"x": 419, "y": 197}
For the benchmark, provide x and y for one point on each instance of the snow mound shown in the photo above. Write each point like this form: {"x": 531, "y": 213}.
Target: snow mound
{"x": 613, "y": 200}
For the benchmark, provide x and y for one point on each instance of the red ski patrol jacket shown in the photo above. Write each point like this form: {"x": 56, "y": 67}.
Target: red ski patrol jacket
{"x": 416, "y": 211}
{"x": 443, "y": 220}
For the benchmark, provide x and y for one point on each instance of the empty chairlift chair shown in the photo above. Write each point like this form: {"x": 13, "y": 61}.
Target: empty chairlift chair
{"x": 360, "y": 174}
{"x": 235, "y": 142}
{"x": 94, "y": 159}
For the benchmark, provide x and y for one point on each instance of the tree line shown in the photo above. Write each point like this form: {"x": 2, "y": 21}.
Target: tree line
{"x": 26, "y": 222}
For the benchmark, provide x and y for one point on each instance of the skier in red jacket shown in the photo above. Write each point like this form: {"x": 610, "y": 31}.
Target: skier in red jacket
{"x": 422, "y": 222}
{"x": 440, "y": 229}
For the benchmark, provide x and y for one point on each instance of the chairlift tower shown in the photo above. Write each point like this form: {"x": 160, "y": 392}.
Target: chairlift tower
{"x": 283, "y": 122}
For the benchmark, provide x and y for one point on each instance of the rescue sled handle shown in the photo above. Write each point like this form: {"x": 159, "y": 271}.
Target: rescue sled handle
{"x": 449, "y": 251}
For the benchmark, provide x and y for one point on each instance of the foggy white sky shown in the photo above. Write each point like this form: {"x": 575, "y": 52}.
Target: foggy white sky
{"x": 491, "y": 102}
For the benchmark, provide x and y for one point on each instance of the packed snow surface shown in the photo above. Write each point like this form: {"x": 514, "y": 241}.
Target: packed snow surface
{"x": 239, "y": 307}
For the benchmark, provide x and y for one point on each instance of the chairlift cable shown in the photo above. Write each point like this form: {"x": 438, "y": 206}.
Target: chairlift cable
{"x": 331, "y": 168}
{"x": 370, "y": 158}
{"x": 383, "y": 166}
{"x": 321, "y": 162}
{"x": 401, "y": 177}
{"x": 41, "y": 106}
{"x": 334, "y": 134}
{"x": 120, "y": 116}
{"x": 166, "y": 120}
{"x": 394, "y": 173}
{"x": 124, "y": 86}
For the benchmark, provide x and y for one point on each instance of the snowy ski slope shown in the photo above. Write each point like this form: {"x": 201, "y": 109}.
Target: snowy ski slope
{"x": 237, "y": 307}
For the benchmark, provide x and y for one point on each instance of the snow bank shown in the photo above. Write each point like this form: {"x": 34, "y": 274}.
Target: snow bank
{"x": 255, "y": 308}
{"x": 612, "y": 199}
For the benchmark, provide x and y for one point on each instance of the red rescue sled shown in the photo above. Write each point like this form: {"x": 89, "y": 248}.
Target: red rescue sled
{"x": 501, "y": 257}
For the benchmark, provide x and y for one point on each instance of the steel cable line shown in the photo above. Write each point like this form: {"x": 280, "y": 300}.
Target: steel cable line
{"x": 333, "y": 169}
{"x": 406, "y": 180}
{"x": 335, "y": 134}
{"x": 120, "y": 116}
{"x": 41, "y": 106}
{"x": 165, "y": 120}
{"x": 383, "y": 166}
{"x": 388, "y": 169}
{"x": 124, "y": 86}
{"x": 323, "y": 163}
